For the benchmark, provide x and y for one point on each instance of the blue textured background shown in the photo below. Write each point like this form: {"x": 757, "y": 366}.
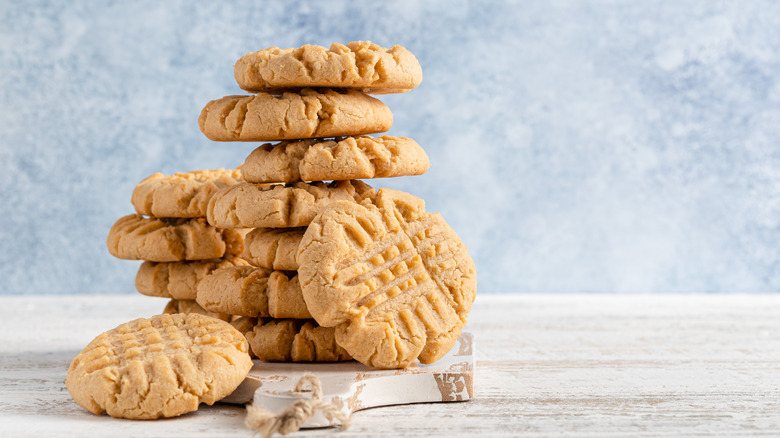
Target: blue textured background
{"x": 575, "y": 146}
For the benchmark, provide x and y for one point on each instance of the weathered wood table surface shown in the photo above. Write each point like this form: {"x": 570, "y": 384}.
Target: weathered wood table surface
{"x": 547, "y": 365}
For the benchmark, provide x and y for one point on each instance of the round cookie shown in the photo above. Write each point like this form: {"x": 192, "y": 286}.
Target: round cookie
{"x": 183, "y": 194}
{"x": 294, "y": 340}
{"x": 135, "y": 237}
{"x": 359, "y": 64}
{"x": 162, "y": 366}
{"x": 253, "y": 292}
{"x": 308, "y": 114}
{"x": 255, "y": 206}
{"x": 340, "y": 159}
{"x": 178, "y": 280}
{"x": 273, "y": 248}
{"x": 395, "y": 281}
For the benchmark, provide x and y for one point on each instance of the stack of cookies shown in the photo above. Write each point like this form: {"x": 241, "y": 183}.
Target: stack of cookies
{"x": 330, "y": 268}
{"x": 170, "y": 233}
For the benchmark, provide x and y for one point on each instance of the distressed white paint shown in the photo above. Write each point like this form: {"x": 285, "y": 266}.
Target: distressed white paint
{"x": 352, "y": 386}
{"x": 585, "y": 365}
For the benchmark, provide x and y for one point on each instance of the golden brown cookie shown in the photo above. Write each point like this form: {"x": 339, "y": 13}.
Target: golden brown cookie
{"x": 163, "y": 366}
{"x": 359, "y": 64}
{"x": 134, "y": 237}
{"x": 294, "y": 340}
{"x": 395, "y": 281}
{"x": 183, "y": 194}
{"x": 243, "y": 324}
{"x": 178, "y": 279}
{"x": 254, "y": 206}
{"x": 250, "y": 291}
{"x": 308, "y": 114}
{"x": 340, "y": 159}
{"x": 192, "y": 306}
{"x": 273, "y": 248}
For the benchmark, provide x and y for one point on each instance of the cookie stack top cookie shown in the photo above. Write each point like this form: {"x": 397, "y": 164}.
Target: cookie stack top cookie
{"x": 390, "y": 282}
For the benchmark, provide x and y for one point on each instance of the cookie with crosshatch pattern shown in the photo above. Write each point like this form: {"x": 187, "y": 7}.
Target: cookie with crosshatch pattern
{"x": 162, "y": 366}
{"x": 395, "y": 281}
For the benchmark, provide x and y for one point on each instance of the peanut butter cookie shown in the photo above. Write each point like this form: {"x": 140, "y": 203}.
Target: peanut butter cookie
{"x": 178, "y": 280}
{"x": 135, "y": 237}
{"x": 255, "y": 206}
{"x": 294, "y": 340}
{"x": 395, "y": 281}
{"x": 183, "y": 194}
{"x": 163, "y": 366}
{"x": 273, "y": 248}
{"x": 253, "y": 292}
{"x": 340, "y": 159}
{"x": 191, "y": 306}
{"x": 308, "y": 114}
{"x": 359, "y": 64}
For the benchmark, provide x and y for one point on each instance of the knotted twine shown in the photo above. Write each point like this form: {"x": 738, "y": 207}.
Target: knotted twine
{"x": 296, "y": 414}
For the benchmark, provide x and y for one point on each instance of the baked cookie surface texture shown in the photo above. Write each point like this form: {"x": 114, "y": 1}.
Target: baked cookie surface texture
{"x": 294, "y": 340}
{"x": 339, "y": 159}
{"x": 255, "y": 206}
{"x": 359, "y": 64}
{"x": 178, "y": 280}
{"x": 162, "y": 366}
{"x": 307, "y": 114}
{"x": 183, "y": 194}
{"x": 395, "y": 281}
{"x": 253, "y": 292}
{"x": 135, "y": 237}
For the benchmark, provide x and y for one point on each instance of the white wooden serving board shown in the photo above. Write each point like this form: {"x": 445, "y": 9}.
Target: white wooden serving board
{"x": 352, "y": 386}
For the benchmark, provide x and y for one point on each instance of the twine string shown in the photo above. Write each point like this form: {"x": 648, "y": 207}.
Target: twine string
{"x": 267, "y": 423}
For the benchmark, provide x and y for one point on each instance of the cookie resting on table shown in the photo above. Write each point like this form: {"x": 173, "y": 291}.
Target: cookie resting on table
{"x": 162, "y": 366}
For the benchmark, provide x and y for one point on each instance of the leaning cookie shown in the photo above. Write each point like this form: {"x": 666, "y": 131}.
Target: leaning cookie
{"x": 256, "y": 206}
{"x": 395, "y": 281}
{"x": 359, "y": 64}
{"x": 308, "y": 114}
{"x": 135, "y": 237}
{"x": 294, "y": 340}
{"x": 340, "y": 159}
{"x": 183, "y": 194}
{"x": 178, "y": 280}
{"x": 163, "y": 366}
{"x": 253, "y": 292}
